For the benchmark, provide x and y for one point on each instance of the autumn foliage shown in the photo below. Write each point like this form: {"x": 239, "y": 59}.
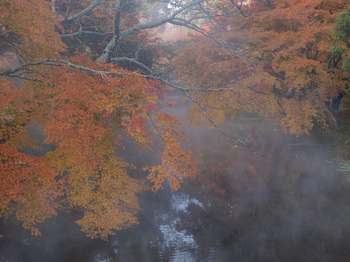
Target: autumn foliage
{"x": 89, "y": 112}
{"x": 67, "y": 72}
{"x": 276, "y": 61}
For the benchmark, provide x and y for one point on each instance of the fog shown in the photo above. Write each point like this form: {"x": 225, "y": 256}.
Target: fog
{"x": 285, "y": 202}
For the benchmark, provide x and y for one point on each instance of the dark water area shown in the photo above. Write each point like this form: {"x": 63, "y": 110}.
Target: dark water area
{"x": 308, "y": 224}
{"x": 305, "y": 218}
{"x": 290, "y": 204}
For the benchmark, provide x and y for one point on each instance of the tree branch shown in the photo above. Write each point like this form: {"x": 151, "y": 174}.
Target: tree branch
{"x": 56, "y": 62}
{"x": 244, "y": 143}
{"x": 185, "y": 23}
{"x": 53, "y": 7}
{"x": 84, "y": 12}
{"x": 221, "y": 89}
{"x": 134, "y": 61}
{"x": 135, "y": 29}
{"x": 212, "y": 17}
{"x": 117, "y": 19}
{"x": 239, "y": 7}
{"x": 81, "y": 32}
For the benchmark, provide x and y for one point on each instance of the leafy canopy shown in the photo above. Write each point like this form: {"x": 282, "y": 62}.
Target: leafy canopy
{"x": 91, "y": 75}
{"x": 89, "y": 113}
{"x": 275, "y": 60}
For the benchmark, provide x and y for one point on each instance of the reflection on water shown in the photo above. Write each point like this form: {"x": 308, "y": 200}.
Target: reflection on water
{"x": 290, "y": 206}
{"x": 177, "y": 226}
{"x": 160, "y": 236}
{"x": 183, "y": 244}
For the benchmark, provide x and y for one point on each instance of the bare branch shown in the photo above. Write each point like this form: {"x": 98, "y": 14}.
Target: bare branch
{"x": 107, "y": 51}
{"x": 53, "y": 7}
{"x": 68, "y": 8}
{"x": 244, "y": 143}
{"x": 239, "y": 7}
{"x": 84, "y": 12}
{"x": 211, "y": 90}
{"x": 56, "y": 62}
{"x": 134, "y": 61}
{"x": 140, "y": 27}
{"x": 81, "y": 32}
{"x": 117, "y": 19}
{"x": 133, "y": 30}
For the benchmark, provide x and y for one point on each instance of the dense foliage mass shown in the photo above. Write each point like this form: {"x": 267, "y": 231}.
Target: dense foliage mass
{"x": 276, "y": 60}
{"x": 89, "y": 113}
{"x": 91, "y": 76}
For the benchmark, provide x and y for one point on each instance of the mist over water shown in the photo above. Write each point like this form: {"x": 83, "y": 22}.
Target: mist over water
{"x": 288, "y": 203}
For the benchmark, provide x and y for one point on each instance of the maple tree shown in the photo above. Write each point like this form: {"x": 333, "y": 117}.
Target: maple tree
{"x": 89, "y": 73}
{"x": 274, "y": 60}
{"x": 89, "y": 111}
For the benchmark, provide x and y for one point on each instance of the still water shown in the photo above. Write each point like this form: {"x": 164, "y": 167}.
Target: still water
{"x": 311, "y": 224}
{"x": 160, "y": 236}
{"x": 289, "y": 204}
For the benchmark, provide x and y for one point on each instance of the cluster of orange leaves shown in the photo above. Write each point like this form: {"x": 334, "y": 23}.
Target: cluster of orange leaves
{"x": 275, "y": 60}
{"x": 86, "y": 117}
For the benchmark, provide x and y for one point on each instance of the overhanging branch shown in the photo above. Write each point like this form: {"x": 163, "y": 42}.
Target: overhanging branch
{"x": 84, "y": 12}
{"x": 120, "y": 35}
{"x": 134, "y": 61}
{"x": 82, "y": 32}
{"x": 240, "y": 141}
{"x": 56, "y": 62}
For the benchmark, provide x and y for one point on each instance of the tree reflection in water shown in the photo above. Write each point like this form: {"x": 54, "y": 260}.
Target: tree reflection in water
{"x": 289, "y": 204}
